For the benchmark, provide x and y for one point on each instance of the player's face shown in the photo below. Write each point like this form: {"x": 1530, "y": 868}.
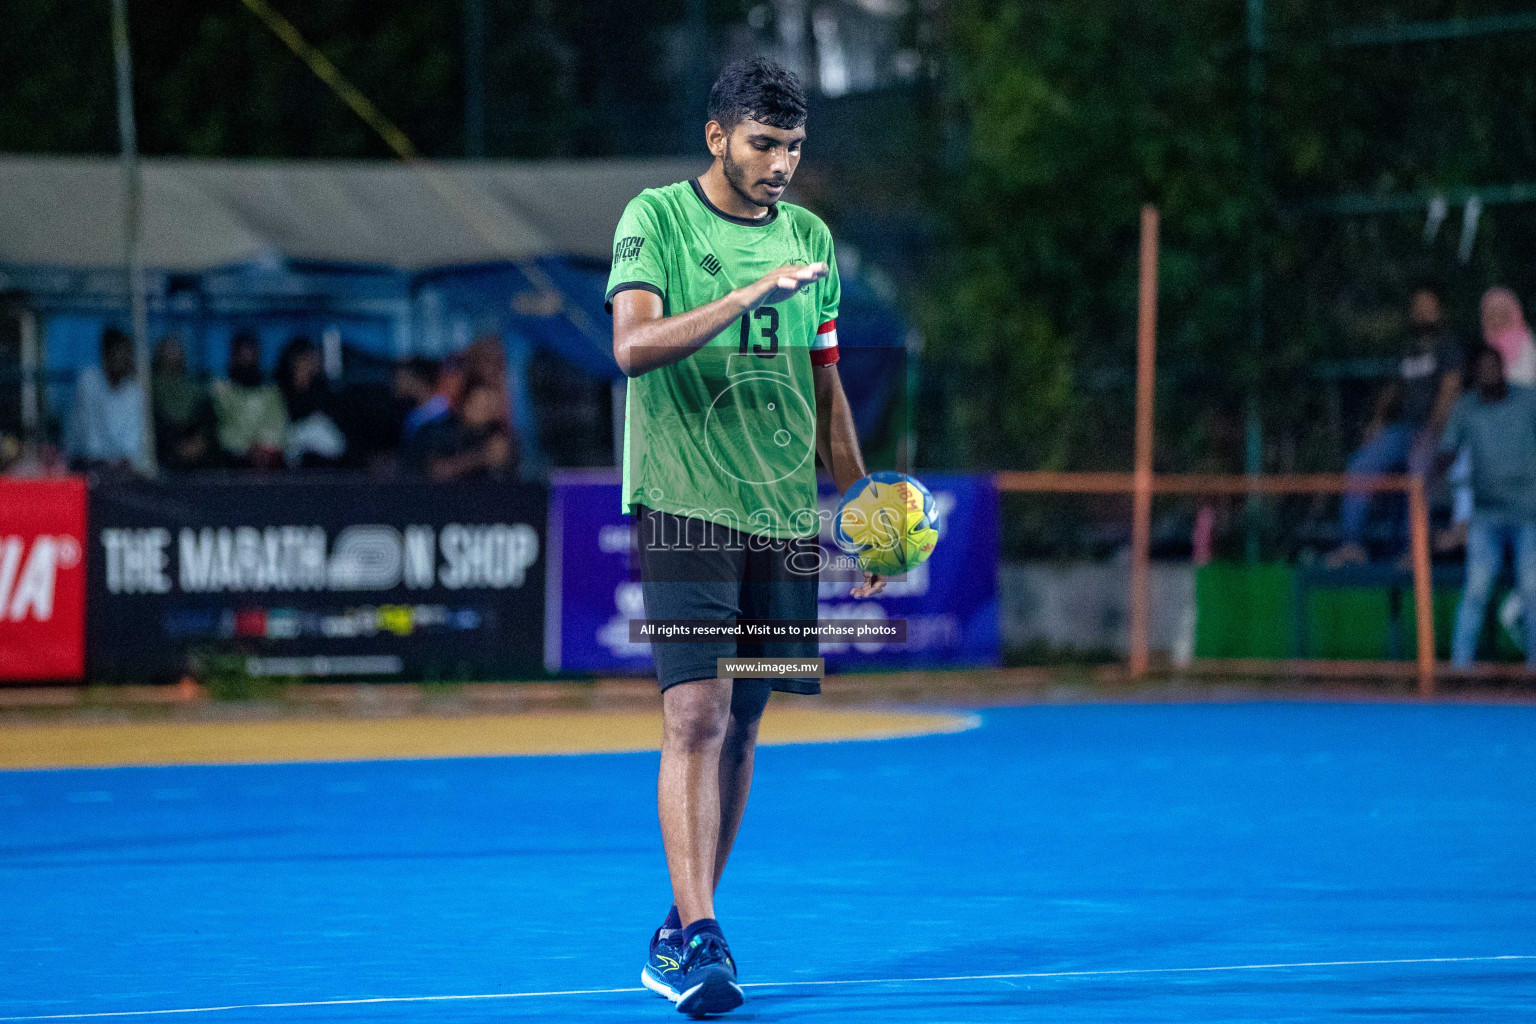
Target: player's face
{"x": 759, "y": 160}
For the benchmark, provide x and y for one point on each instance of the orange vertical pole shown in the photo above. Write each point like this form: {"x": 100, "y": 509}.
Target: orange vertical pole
{"x": 1141, "y": 513}
{"x": 1423, "y": 592}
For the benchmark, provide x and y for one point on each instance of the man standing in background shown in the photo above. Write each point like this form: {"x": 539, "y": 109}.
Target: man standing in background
{"x": 1496, "y": 425}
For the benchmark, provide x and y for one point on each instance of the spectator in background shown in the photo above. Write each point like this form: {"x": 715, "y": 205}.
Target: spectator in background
{"x": 485, "y": 366}
{"x": 471, "y": 443}
{"x": 431, "y": 429}
{"x": 1496, "y": 425}
{"x": 250, "y": 413}
{"x": 106, "y": 423}
{"x": 412, "y": 386}
{"x": 184, "y": 420}
{"x": 480, "y": 447}
{"x": 1505, "y": 330}
{"x": 433, "y": 403}
{"x": 1410, "y": 414}
{"x": 313, "y": 438}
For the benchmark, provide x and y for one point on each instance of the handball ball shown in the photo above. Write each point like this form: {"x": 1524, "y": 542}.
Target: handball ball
{"x": 889, "y": 521}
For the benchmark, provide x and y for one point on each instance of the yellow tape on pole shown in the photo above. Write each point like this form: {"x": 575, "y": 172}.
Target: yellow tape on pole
{"x": 327, "y": 72}
{"x": 444, "y": 184}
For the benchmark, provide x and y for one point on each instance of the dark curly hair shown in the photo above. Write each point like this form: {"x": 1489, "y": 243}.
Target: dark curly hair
{"x": 757, "y": 89}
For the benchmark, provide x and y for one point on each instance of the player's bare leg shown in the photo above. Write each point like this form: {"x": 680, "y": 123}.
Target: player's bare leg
{"x": 695, "y": 719}
{"x": 709, "y": 739}
{"x": 736, "y": 756}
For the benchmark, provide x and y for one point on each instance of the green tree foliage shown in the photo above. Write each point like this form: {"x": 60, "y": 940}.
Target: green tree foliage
{"x": 211, "y": 80}
{"x": 1073, "y": 117}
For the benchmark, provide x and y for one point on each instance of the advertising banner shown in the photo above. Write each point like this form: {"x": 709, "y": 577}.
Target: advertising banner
{"x": 42, "y": 579}
{"x": 949, "y": 602}
{"x": 317, "y": 577}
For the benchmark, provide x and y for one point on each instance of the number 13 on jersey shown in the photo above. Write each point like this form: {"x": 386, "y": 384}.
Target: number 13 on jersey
{"x": 767, "y": 327}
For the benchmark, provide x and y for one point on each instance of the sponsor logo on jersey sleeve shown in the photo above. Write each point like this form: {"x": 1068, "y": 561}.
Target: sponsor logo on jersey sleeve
{"x": 628, "y": 248}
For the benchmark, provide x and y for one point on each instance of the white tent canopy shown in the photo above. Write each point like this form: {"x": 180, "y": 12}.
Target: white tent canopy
{"x": 199, "y": 214}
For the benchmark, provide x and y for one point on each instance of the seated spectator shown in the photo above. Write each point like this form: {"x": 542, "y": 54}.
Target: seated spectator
{"x": 313, "y": 438}
{"x": 1410, "y": 414}
{"x": 106, "y": 424}
{"x": 412, "y": 385}
{"x": 1496, "y": 425}
{"x": 436, "y": 401}
{"x": 485, "y": 366}
{"x": 471, "y": 444}
{"x": 252, "y": 421}
{"x": 184, "y": 420}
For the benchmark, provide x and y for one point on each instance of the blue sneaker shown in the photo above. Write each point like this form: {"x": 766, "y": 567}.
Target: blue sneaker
{"x": 708, "y": 983}
{"x": 665, "y": 966}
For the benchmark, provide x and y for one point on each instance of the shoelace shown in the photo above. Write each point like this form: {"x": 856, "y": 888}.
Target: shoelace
{"x": 704, "y": 950}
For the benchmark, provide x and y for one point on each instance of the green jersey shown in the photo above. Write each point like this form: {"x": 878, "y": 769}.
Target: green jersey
{"x": 727, "y": 434}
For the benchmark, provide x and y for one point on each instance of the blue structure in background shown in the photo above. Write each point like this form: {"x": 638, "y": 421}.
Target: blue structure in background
{"x": 388, "y": 259}
{"x": 552, "y": 304}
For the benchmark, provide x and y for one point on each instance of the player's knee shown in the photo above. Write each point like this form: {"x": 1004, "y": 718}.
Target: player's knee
{"x": 696, "y": 731}
{"x": 695, "y": 717}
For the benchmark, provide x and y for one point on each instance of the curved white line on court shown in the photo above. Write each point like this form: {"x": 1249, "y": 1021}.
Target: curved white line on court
{"x": 781, "y": 984}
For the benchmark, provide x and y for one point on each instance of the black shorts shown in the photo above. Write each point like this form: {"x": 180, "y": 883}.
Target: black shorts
{"x": 691, "y": 569}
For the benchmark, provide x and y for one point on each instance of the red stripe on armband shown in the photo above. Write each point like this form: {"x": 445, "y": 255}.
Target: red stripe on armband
{"x": 823, "y": 356}
{"x": 830, "y": 325}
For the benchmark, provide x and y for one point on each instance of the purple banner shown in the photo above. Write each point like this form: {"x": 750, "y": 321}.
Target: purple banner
{"x": 949, "y": 602}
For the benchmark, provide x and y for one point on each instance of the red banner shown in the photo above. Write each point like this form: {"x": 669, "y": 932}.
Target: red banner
{"x": 42, "y": 579}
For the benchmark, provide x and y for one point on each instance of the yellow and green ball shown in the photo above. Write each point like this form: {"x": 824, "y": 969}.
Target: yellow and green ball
{"x": 889, "y": 521}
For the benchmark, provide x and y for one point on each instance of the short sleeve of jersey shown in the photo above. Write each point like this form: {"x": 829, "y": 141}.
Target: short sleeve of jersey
{"x": 638, "y": 260}
{"x": 829, "y": 296}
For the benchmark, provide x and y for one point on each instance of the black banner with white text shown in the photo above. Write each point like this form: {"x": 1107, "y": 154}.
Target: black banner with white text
{"x": 316, "y": 577}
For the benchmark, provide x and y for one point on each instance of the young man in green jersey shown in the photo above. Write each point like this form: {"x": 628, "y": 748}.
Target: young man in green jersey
{"x": 724, "y": 303}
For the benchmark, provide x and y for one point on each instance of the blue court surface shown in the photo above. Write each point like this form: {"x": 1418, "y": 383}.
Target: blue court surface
{"x": 1204, "y": 862}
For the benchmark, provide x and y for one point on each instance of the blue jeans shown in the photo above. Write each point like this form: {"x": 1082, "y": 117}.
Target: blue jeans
{"x": 1459, "y": 476}
{"x": 1388, "y": 452}
{"x": 1486, "y": 541}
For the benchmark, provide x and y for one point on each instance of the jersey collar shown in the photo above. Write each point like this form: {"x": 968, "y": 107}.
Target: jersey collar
{"x": 750, "y": 222}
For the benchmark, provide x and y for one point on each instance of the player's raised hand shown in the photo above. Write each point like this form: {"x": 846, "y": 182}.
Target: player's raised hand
{"x": 777, "y": 285}
{"x": 871, "y": 586}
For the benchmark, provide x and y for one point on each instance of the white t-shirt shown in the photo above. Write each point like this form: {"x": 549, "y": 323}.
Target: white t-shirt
{"x": 106, "y": 424}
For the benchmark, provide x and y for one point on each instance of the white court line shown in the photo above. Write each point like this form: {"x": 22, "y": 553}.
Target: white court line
{"x": 781, "y": 984}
